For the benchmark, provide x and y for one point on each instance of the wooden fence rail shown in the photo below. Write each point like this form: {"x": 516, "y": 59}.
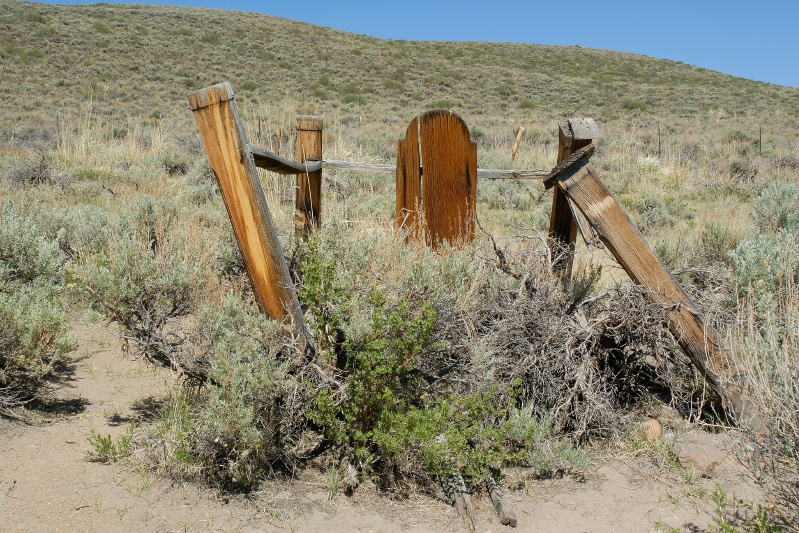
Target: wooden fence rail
{"x": 280, "y": 165}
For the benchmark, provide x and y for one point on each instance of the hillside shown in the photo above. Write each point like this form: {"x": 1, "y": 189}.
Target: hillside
{"x": 141, "y": 61}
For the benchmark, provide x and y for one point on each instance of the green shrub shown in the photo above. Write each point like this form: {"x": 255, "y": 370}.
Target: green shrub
{"x": 176, "y": 164}
{"x": 34, "y": 335}
{"x": 634, "y": 105}
{"x": 99, "y": 27}
{"x": 239, "y": 429}
{"x": 472, "y": 436}
{"x": 777, "y": 207}
{"x": 210, "y": 37}
{"x": 765, "y": 263}
{"x": 380, "y": 381}
{"x": 244, "y": 422}
{"x": 105, "y": 450}
{"x": 144, "y": 280}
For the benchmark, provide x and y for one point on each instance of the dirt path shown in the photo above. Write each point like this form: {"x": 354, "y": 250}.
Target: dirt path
{"x": 47, "y": 483}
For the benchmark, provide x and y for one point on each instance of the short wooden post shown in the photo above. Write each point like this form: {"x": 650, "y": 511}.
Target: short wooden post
{"x": 703, "y": 345}
{"x": 577, "y": 133}
{"x": 226, "y": 145}
{"x": 308, "y": 147}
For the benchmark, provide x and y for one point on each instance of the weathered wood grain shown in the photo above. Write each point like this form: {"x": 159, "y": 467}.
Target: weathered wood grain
{"x": 275, "y": 163}
{"x": 280, "y": 165}
{"x": 449, "y": 162}
{"x": 226, "y": 145}
{"x": 409, "y": 180}
{"x": 506, "y": 515}
{"x": 562, "y": 223}
{"x": 703, "y": 345}
{"x": 308, "y": 205}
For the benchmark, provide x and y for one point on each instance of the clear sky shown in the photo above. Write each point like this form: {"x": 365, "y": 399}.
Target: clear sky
{"x": 754, "y": 39}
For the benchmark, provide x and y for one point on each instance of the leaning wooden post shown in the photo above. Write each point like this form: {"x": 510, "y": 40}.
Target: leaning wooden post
{"x": 577, "y": 133}
{"x": 308, "y": 147}
{"x": 226, "y": 145}
{"x": 579, "y": 182}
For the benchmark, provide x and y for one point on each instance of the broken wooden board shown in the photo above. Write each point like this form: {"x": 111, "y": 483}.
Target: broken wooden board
{"x": 581, "y": 184}
{"x": 446, "y": 186}
{"x": 226, "y": 145}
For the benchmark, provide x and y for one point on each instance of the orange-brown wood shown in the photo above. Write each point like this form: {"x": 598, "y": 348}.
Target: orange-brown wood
{"x": 226, "y": 145}
{"x": 581, "y": 184}
{"x": 449, "y": 178}
{"x": 308, "y": 205}
{"x": 562, "y": 221}
{"x": 409, "y": 180}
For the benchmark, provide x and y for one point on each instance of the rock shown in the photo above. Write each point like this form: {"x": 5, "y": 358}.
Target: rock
{"x": 653, "y": 430}
{"x": 670, "y": 415}
{"x": 704, "y": 452}
{"x": 349, "y": 478}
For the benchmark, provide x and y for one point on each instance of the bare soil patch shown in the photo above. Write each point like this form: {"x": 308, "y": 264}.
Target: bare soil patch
{"x": 47, "y": 482}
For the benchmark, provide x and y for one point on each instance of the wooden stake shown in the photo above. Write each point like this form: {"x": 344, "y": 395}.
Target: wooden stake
{"x": 518, "y": 142}
{"x": 658, "y": 140}
{"x": 226, "y": 145}
{"x": 463, "y": 503}
{"x": 308, "y": 206}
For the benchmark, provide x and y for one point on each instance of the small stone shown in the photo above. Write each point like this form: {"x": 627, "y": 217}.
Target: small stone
{"x": 654, "y": 431}
{"x": 704, "y": 452}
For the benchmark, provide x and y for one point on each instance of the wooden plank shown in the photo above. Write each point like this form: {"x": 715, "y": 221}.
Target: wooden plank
{"x": 506, "y": 515}
{"x": 703, "y": 345}
{"x": 226, "y": 145}
{"x": 562, "y": 226}
{"x": 308, "y": 205}
{"x": 463, "y": 503}
{"x": 449, "y": 160}
{"x": 563, "y": 223}
{"x": 280, "y": 165}
{"x": 409, "y": 180}
{"x": 589, "y": 234}
{"x": 494, "y": 174}
{"x": 585, "y": 128}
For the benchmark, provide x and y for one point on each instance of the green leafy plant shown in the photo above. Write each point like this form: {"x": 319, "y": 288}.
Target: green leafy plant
{"x": 105, "y": 450}
{"x": 379, "y": 381}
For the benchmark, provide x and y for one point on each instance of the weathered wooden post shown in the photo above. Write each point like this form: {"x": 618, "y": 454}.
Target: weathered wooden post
{"x": 308, "y": 147}
{"x": 447, "y": 184}
{"x": 563, "y": 222}
{"x": 229, "y": 154}
{"x": 580, "y": 183}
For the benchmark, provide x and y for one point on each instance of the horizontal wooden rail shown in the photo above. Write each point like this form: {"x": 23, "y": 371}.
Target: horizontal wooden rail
{"x": 275, "y": 163}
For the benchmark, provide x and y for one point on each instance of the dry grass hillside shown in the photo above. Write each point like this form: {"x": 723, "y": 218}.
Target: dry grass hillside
{"x": 140, "y": 61}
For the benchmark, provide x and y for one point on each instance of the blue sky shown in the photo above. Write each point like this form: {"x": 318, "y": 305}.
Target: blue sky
{"x": 752, "y": 39}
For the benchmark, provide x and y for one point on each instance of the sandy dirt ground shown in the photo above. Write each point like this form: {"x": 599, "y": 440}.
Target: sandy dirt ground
{"x": 48, "y": 484}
